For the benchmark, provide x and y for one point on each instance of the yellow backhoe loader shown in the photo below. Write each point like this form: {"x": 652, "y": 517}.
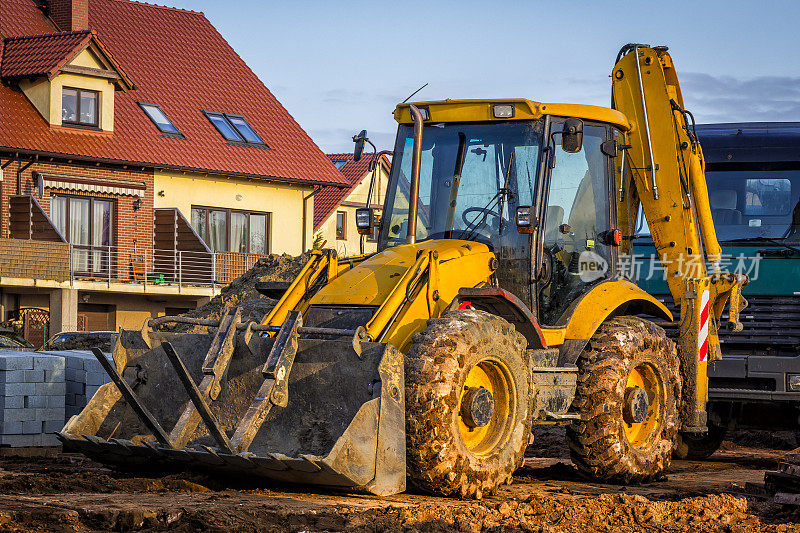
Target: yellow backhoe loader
{"x": 499, "y": 298}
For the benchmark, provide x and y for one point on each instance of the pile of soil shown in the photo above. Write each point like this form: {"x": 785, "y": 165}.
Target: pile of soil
{"x": 242, "y": 291}
{"x": 86, "y": 341}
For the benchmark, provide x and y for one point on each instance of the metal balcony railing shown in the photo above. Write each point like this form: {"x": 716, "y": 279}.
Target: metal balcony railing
{"x": 63, "y": 261}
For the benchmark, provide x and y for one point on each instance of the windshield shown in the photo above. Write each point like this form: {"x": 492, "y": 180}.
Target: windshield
{"x": 750, "y": 204}
{"x": 472, "y": 178}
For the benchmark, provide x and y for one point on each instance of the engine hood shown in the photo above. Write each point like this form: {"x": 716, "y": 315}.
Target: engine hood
{"x": 461, "y": 264}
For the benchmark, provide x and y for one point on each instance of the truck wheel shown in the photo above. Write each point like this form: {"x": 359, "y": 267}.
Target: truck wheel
{"x": 627, "y": 394}
{"x": 698, "y": 447}
{"x": 468, "y": 404}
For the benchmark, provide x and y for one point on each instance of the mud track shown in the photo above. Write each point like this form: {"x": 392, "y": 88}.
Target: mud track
{"x": 71, "y": 493}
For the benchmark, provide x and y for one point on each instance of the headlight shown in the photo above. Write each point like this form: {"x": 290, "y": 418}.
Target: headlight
{"x": 364, "y": 220}
{"x": 793, "y": 382}
{"x": 503, "y": 111}
{"x": 524, "y": 219}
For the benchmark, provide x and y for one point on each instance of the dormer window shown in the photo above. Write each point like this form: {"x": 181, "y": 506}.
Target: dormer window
{"x": 160, "y": 119}
{"x": 79, "y": 107}
{"x": 234, "y": 129}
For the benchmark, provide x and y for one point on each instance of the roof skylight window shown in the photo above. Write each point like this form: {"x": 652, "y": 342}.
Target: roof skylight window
{"x": 234, "y": 129}
{"x": 160, "y": 119}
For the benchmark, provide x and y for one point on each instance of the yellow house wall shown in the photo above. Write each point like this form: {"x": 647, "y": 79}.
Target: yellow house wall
{"x": 283, "y": 201}
{"x": 86, "y": 59}
{"x": 38, "y": 92}
{"x": 130, "y": 310}
{"x": 105, "y": 88}
{"x": 351, "y": 244}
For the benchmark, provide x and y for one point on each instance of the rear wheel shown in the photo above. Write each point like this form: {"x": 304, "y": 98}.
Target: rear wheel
{"x": 698, "y": 447}
{"x": 627, "y": 394}
{"x": 468, "y": 404}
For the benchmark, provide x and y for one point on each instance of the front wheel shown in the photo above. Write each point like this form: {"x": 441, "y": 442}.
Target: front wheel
{"x": 699, "y": 446}
{"x": 468, "y": 404}
{"x": 627, "y": 394}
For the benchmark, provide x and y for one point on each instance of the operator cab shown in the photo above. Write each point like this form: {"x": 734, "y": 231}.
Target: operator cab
{"x": 479, "y": 167}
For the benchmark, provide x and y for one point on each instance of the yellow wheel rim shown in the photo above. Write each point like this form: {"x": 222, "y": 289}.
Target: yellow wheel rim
{"x": 645, "y": 377}
{"x": 494, "y": 376}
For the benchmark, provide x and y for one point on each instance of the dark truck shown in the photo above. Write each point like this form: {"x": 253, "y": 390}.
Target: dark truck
{"x": 753, "y": 176}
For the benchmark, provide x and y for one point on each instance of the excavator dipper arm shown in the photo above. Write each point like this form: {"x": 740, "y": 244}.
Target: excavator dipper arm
{"x": 664, "y": 171}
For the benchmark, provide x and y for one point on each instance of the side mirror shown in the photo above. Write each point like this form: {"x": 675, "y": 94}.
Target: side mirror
{"x": 525, "y": 222}
{"x": 359, "y": 139}
{"x": 364, "y": 220}
{"x": 572, "y": 136}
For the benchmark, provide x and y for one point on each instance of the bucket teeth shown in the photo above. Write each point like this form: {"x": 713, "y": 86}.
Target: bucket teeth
{"x": 304, "y": 410}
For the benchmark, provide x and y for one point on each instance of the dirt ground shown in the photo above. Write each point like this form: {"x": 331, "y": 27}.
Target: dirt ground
{"x": 71, "y": 493}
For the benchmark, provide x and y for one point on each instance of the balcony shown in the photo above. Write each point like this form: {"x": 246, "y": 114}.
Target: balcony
{"x": 46, "y": 263}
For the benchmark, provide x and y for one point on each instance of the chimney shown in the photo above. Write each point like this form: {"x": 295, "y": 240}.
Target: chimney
{"x": 70, "y": 15}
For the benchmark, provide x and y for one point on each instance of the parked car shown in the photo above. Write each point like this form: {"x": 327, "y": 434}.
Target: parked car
{"x": 10, "y": 339}
{"x": 82, "y": 340}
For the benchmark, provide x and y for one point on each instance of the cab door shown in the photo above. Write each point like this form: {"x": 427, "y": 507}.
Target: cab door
{"x": 576, "y": 218}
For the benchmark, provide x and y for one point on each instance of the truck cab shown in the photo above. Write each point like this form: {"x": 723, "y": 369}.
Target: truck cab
{"x": 753, "y": 176}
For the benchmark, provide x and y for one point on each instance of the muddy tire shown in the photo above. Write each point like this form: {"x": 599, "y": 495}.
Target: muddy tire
{"x": 699, "y": 447}
{"x": 455, "y": 446}
{"x": 627, "y": 394}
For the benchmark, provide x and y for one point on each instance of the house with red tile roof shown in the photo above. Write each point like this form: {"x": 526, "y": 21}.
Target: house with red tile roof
{"x": 335, "y": 207}
{"x": 142, "y": 163}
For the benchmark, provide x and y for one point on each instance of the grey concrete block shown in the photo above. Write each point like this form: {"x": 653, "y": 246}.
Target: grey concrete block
{"x": 31, "y": 427}
{"x": 11, "y": 428}
{"x": 18, "y": 389}
{"x": 74, "y": 387}
{"x": 48, "y": 362}
{"x": 12, "y": 402}
{"x": 13, "y": 376}
{"x": 38, "y": 401}
{"x": 52, "y": 426}
{"x": 73, "y": 374}
{"x": 95, "y": 379}
{"x": 15, "y": 361}
{"x": 75, "y": 363}
{"x": 33, "y": 376}
{"x": 51, "y": 413}
{"x": 56, "y": 401}
{"x": 21, "y": 441}
{"x": 50, "y": 440}
{"x": 25, "y": 414}
{"x": 71, "y": 411}
{"x": 90, "y": 392}
{"x": 59, "y": 389}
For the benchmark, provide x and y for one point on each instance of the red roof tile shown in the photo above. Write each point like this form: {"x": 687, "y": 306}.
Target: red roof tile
{"x": 179, "y": 61}
{"x": 329, "y": 198}
{"x": 40, "y": 55}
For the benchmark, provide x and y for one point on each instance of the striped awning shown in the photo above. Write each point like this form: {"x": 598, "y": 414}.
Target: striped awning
{"x": 85, "y": 184}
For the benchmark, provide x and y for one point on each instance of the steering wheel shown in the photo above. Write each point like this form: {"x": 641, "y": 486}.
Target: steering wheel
{"x": 470, "y": 223}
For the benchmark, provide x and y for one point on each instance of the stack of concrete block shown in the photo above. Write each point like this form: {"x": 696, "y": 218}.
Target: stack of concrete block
{"x": 32, "y": 398}
{"x": 84, "y": 375}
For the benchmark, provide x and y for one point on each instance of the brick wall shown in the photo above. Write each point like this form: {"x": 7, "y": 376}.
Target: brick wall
{"x": 70, "y": 15}
{"x": 130, "y": 227}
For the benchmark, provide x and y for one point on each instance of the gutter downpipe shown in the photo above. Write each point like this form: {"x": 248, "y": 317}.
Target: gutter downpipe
{"x": 416, "y": 159}
{"x": 305, "y": 216}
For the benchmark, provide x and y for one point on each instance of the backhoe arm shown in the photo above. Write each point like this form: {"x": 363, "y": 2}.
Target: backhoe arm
{"x": 665, "y": 171}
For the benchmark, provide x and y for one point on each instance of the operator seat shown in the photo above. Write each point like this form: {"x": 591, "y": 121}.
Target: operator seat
{"x": 723, "y": 207}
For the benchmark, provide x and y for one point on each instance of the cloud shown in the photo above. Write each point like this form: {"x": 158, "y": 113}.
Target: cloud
{"x": 732, "y": 99}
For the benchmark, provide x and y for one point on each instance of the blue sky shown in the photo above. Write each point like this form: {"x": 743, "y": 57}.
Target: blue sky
{"x": 339, "y": 67}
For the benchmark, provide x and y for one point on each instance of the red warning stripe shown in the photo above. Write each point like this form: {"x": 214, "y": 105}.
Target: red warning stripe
{"x": 702, "y": 338}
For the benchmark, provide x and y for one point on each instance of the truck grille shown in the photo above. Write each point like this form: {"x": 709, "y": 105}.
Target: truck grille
{"x": 771, "y": 326}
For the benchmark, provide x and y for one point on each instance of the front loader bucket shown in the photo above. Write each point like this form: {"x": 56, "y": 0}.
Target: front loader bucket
{"x": 343, "y": 424}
